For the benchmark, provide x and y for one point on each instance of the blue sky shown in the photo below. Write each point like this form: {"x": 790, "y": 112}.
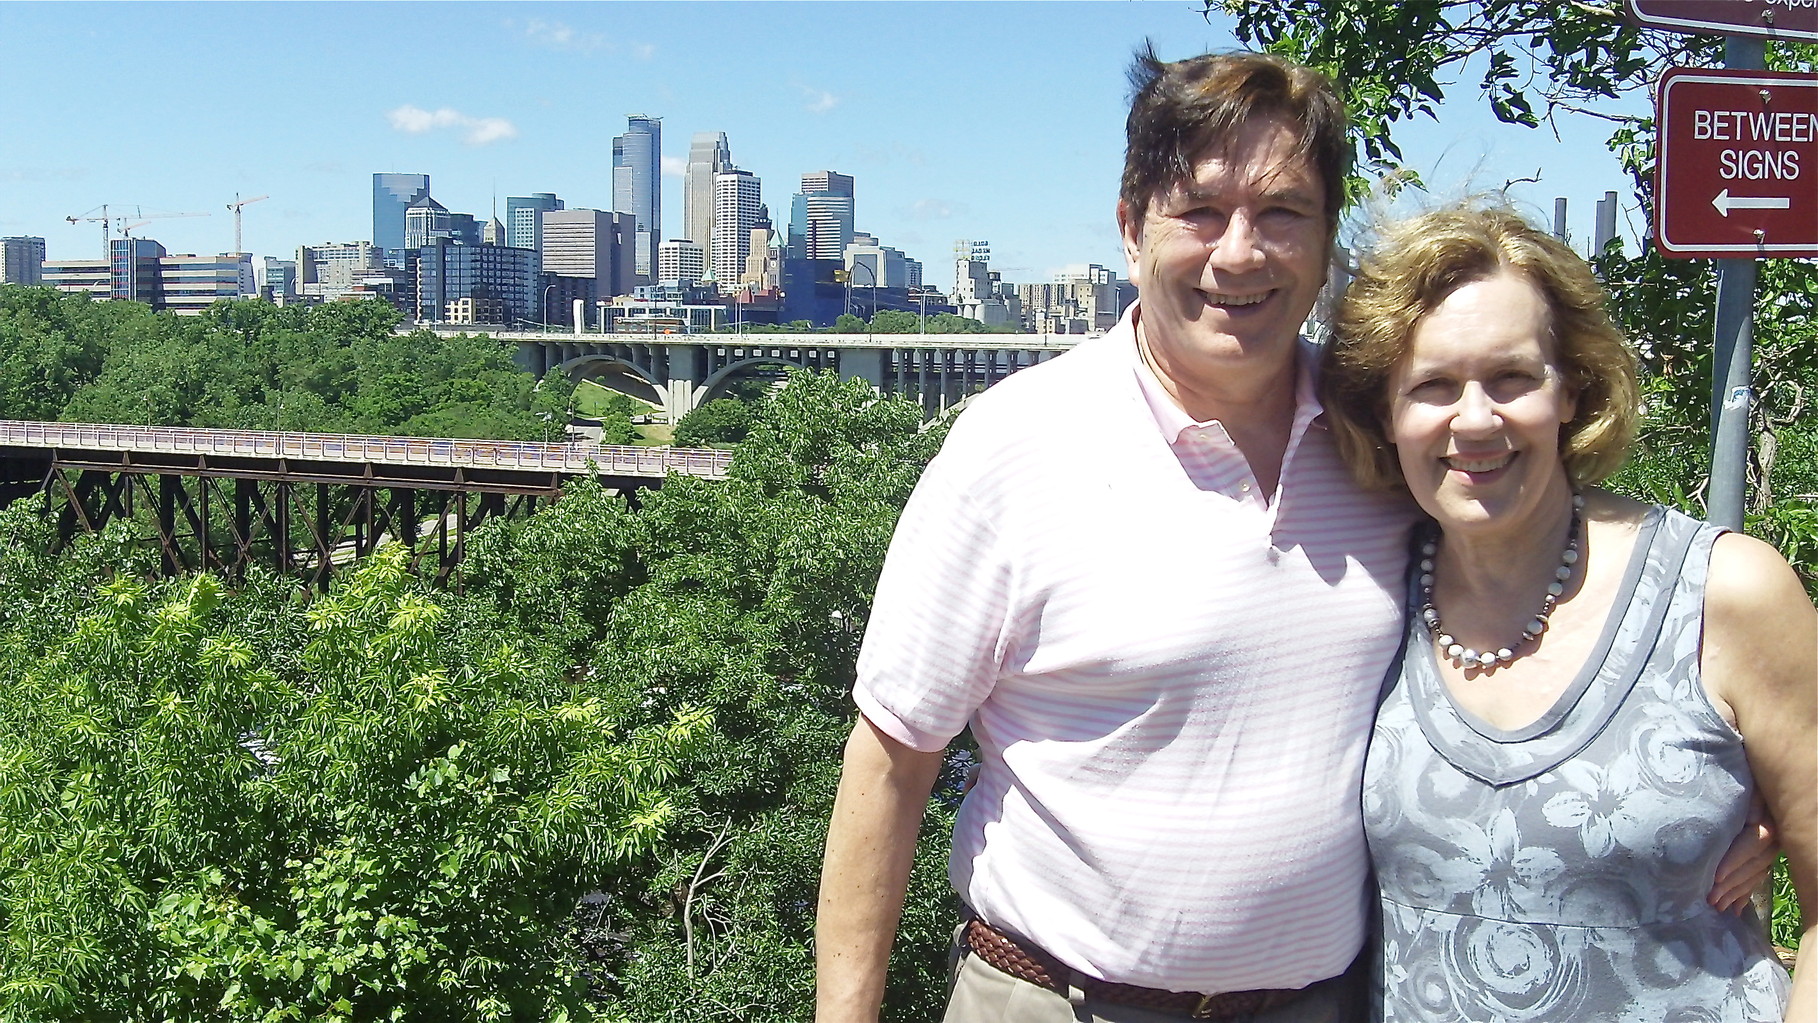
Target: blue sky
{"x": 997, "y": 121}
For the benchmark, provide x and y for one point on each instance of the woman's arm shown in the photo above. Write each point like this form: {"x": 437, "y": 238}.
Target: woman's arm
{"x": 1760, "y": 657}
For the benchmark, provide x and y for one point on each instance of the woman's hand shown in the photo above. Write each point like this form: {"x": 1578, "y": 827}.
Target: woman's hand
{"x": 1748, "y": 861}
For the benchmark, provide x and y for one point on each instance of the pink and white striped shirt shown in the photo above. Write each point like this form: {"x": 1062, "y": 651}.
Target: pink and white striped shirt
{"x": 1170, "y": 679}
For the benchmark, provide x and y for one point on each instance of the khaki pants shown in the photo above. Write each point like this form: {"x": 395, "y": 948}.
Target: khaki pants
{"x": 981, "y": 993}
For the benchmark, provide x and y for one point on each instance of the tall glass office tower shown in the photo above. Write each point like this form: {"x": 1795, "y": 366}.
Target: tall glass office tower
{"x": 637, "y": 186}
{"x": 392, "y": 194}
{"x": 523, "y": 225}
{"x": 820, "y": 216}
{"x": 708, "y": 155}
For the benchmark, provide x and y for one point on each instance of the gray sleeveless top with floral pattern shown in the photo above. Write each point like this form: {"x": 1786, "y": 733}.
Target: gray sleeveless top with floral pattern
{"x": 1559, "y": 871}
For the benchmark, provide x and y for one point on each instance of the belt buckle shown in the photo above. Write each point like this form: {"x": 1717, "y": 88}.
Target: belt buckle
{"x": 1205, "y": 1008}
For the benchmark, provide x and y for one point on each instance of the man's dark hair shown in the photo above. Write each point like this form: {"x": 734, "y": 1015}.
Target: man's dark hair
{"x": 1182, "y": 110}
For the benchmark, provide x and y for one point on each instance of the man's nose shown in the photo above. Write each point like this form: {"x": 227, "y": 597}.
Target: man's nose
{"x": 1237, "y": 247}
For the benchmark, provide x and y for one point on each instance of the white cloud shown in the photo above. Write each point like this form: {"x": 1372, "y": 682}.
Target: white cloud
{"x": 43, "y": 173}
{"x": 819, "y": 100}
{"x": 674, "y": 166}
{"x": 558, "y": 36}
{"x": 476, "y": 131}
{"x": 933, "y": 209}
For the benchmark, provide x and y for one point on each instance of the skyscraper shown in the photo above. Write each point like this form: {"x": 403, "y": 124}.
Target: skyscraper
{"x": 708, "y": 155}
{"x": 821, "y": 215}
{"x": 637, "y": 185}
{"x": 680, "y": 261}
{"x": 21, "y": 260}
{"x": 591, "y": 244}
{"x": 737, "y": 207}
{"x": 474, "y": 283}
{"x": 392, "y": 194}
{"x": 425, "y": 221}
{"x": 522, "y": 228}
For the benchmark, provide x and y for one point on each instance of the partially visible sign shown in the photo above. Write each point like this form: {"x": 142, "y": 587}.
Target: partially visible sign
{"x": 1768, "y": 19}
{"x": 1738, "y": 172}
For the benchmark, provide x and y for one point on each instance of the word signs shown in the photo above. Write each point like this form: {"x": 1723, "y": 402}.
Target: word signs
{"x": 1738, "y": 173}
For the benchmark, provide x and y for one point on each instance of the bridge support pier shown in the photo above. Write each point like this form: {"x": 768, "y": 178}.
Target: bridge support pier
{"x": 680, "y": 395}
{"x": 866, "y": 364}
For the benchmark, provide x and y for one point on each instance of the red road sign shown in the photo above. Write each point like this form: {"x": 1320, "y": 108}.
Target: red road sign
{"x": 1769, "y": 19}
{"x": 1738, "y": 172}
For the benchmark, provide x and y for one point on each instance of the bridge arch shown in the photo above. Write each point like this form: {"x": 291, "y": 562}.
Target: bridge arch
{"x": 714, "y": 385}
{"x": 635, "y": 380}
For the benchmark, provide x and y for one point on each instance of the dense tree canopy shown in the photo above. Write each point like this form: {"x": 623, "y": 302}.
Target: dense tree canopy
{"x": 591, "y": 779}
{"x": 340, "y": 367}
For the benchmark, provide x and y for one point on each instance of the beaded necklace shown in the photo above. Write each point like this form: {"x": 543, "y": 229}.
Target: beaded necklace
{"x": 1463, "y": 656}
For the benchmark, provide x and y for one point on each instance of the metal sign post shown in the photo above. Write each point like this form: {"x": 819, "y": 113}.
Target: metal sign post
{"x": 1732, "y": 392}
{"x": 1717, "y": 195}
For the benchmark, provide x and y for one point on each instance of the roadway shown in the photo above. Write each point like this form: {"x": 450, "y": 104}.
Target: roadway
{"x": 978, "y": 342}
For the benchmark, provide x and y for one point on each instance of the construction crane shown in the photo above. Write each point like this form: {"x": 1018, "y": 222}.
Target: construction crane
{"x": 235, "y": 206}
{"x": 138, "y": 218}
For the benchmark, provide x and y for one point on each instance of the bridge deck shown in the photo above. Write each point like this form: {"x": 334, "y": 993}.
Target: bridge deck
{"x": 439, "y": 452}
{"x": 731, "y": 339}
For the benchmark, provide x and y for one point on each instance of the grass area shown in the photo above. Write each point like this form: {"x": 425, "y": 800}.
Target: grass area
{"x": 593, "y": 400}
{"x": 590, "y": 399}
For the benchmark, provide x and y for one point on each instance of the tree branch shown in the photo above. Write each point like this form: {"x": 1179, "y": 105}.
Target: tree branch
{"x": 700, "y": 878}
{"x": 1588, "y": 112}
{"x": 1535, "y": 179}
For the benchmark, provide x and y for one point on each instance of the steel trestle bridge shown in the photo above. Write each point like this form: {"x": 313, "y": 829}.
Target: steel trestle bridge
{"x": 222, "y": 500}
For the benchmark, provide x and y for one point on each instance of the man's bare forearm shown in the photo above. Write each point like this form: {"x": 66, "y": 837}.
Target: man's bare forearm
{"x": 883, "y": 791}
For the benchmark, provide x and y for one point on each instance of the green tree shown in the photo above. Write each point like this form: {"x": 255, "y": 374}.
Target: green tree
{"x": 848, "y": 324}
{"x": 895, "y": 321}
{"x": 229, "y": 806}
{"x": 746, "y": 597}
{"x": 720, "y": 421}
{"x": 51, "y": 345}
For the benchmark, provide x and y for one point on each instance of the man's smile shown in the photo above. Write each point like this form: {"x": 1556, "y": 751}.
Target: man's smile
{"x": 1222, "y": 300}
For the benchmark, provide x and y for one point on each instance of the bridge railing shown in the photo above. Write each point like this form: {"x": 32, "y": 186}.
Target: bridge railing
{"x": 730, "y": 339}
{"x": 624, "y": 460}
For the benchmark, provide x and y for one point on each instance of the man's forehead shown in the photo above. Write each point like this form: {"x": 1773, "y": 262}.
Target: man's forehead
{"x": 1266, "y": 160}
{"x": 1277, "y": 169}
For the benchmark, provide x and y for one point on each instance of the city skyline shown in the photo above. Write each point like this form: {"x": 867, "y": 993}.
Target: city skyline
{"x": 959, "y": 120}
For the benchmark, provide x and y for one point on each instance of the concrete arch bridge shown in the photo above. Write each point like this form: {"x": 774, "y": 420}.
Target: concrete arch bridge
{"x": 680, "y": 372}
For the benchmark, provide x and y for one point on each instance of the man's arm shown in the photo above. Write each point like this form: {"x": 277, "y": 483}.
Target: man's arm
{"x": 884, "y": 787}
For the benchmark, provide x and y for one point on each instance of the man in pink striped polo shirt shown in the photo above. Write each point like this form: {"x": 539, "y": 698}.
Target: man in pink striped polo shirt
{"x": 1142, "y": 577}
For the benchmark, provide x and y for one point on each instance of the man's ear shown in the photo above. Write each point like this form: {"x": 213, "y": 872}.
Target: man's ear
{"x": 1130, "y": 227}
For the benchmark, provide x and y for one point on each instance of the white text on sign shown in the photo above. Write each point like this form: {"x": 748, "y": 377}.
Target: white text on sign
{"x": 1755, "y": 126}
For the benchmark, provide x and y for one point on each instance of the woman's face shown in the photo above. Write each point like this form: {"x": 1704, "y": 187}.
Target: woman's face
{"x": 1476, "y": 405}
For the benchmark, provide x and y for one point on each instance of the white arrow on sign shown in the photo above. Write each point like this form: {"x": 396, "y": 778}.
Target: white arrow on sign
{"x": 1725, "y": 203}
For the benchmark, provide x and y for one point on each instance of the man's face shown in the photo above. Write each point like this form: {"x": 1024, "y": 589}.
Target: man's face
{"x": 1230, "y": 262}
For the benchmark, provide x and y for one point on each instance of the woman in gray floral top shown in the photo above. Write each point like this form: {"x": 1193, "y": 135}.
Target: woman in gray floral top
{"x": 1591, "y": 687}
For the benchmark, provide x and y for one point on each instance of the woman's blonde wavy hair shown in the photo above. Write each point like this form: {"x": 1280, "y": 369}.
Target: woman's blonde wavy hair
{"x": 1414, "y": 266}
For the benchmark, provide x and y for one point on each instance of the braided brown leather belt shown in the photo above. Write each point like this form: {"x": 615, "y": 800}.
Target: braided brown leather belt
{"x": 1027, "y": 963}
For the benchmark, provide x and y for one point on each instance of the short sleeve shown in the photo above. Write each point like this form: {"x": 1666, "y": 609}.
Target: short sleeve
{"x": 937, "y": 636}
